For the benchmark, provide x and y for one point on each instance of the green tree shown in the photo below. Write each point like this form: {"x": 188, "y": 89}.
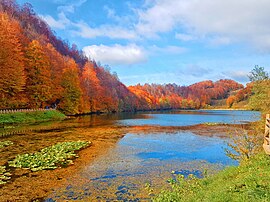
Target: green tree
{"x": 259, "y": 99}
{"x": 38, "y": 75}
{"x": 258, "y": 74}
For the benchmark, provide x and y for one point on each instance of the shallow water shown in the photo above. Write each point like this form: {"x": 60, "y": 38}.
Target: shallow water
{"x": 133, "y": 163}
{"x": 138, "y": 160}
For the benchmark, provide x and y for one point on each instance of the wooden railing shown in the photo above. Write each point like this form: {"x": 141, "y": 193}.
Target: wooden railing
{"x": 8, "y": 111}
{"x": 266, "y": 144}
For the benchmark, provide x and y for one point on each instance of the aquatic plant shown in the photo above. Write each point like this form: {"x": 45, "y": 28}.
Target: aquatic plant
{"x": 4, "y": 175}
{"x": 5, "y": 144}
{"x": 51, "y": 157}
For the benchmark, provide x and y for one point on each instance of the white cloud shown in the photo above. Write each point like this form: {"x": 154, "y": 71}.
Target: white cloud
{"x": 111, "y": 14}
{"x": 166, "y": 50}
{"x": 82, "y": 29}
{"x": 116, "y": 54}
{"x": 196, "y": 70}
{"x": 193, "y": 71}
{"x": 216, "y": 22}
{"x": 216, "y": 41}
{"x": 242, "y": 20}
{"x": 61, "y": 23}
{"x": 184, "y": 37}
{"x": 240, "y": 76}
{"x": 70, "y": 6}
{"x": 110, "y": 31}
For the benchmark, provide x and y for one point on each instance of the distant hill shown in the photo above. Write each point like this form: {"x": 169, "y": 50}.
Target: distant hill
{"x": 198, "y": 95}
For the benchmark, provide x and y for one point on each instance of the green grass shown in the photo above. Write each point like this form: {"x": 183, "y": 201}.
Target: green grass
{"x": 247, "y": 182}
{"x": 60, "y": 154}
{"x": 30, "y": 117}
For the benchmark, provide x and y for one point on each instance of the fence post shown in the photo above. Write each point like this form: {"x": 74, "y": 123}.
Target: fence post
{"x": 266, "y": 144}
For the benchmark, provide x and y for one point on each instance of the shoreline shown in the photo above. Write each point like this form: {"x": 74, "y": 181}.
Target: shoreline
{"x": 24, "y": 118}
{"x": 227, "y": 109}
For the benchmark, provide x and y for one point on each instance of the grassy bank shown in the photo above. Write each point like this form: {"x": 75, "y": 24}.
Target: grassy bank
{"x": 247, "y": 182}
{"x": 30, "y": 117}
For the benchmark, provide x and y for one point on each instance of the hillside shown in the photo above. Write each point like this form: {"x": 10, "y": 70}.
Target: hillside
{"x": 195, "y": 96}
{"x": 40, "y": 70}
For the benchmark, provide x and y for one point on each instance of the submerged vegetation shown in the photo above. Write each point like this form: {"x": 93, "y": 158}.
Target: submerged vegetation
{"x": 31, "y": 117}
{"x": 4, "y": 175}
{"x": 5, "y": 144}
{"x": 51, "y": 157}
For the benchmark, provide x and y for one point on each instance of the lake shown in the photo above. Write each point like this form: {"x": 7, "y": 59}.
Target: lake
{"x": 139, "y": 159}
{"x": 133, "y": 160}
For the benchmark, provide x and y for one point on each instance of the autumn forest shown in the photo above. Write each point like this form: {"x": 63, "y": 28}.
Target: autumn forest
{"x": 40, "y": 70}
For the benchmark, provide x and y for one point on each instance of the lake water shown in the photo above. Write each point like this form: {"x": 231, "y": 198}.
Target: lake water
{"x": 150, "y": 159}
{"x": 184, "y": 118}
{"x": 135, "y": 164}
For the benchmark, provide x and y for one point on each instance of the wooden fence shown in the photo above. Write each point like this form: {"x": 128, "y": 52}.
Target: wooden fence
{"x": 266, "y": 144}
{"x": 9, "y": 111}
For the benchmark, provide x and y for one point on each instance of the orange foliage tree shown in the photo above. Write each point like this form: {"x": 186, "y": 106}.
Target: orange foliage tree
{"x": 57, "y": 64}
{"x": 70, "y": 101}
{"x": 12, "y": 77}
{"x": 38, "y": 81}
{"x": 91, "y": 88}
{"x": 230, "y": 100}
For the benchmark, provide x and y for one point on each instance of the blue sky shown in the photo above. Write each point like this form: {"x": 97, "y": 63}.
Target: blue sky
{"x": 166, "y": 41}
